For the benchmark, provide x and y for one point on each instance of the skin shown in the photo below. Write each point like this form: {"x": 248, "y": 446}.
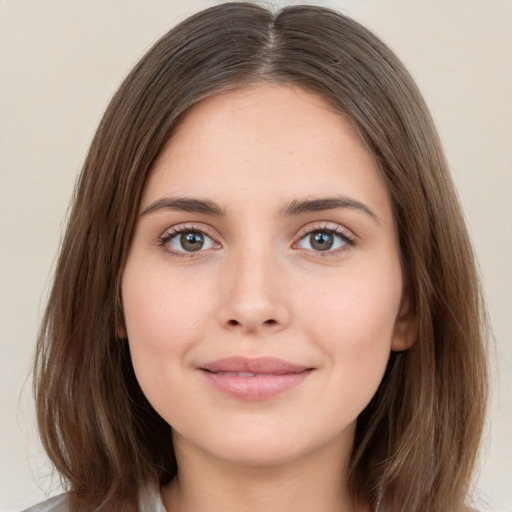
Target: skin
{"x": 258, "y": 287}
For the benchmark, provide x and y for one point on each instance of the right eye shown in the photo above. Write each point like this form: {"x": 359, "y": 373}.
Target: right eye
{"x": 186, "y": 241}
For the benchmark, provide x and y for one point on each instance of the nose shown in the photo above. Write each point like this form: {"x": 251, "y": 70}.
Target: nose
{"x": 254, "y": 295}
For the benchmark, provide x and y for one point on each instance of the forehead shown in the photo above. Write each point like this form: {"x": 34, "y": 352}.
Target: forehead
{"x": 271, "y": 140}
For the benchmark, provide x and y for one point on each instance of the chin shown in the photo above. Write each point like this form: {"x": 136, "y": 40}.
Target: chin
{"x": 268, "y": 445}
{"x": 261, "y": 454}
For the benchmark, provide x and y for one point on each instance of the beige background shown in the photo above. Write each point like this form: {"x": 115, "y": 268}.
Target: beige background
{"x": 61, "y": 60}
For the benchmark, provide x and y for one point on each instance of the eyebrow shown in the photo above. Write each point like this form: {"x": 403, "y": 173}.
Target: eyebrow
{"x": 184, "y": 204}
{"x": 294, "y": 208}
{"x": 327, "y": 203}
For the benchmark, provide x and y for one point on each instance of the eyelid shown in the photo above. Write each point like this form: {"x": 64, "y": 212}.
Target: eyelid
{"x": 326, "y": 226}
{"x": 172, "y": 231}
{"x": 348, "y": 237}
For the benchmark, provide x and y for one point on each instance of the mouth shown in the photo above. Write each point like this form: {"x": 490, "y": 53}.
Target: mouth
{"x": 254, "y": 379}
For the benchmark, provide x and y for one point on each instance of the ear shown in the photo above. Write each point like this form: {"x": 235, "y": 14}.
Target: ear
{"x": 121, "y": 332}
{"x": 405, "y": 331}
{"x": 120, "y": 323}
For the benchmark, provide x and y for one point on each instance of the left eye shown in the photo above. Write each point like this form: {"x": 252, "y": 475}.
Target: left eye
{"x": 322, "y": 240}
{"x": 189, "y": 241}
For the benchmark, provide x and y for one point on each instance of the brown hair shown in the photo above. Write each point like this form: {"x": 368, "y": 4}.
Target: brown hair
{"x": 417, "y": 440}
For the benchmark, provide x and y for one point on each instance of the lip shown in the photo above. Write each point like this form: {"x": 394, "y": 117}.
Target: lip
{"x": 254, "y": 379}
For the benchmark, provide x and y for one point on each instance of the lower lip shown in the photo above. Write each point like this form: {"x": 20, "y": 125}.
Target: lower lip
{"x": 259, "y": 387}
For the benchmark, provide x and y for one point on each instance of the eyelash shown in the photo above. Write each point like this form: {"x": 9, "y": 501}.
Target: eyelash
{"x": 347, "y": 238}
{"x": 173, "y": 232}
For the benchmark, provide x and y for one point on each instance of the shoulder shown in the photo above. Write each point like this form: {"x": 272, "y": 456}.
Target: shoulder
{"x": 55, "y": 504}
{"x": 150, "y": 501}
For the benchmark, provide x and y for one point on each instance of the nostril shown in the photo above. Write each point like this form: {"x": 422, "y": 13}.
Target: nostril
{"x": 234, "y": 323}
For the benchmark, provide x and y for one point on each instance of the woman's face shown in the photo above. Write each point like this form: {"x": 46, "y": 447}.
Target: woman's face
{"x": 263, "y": 290}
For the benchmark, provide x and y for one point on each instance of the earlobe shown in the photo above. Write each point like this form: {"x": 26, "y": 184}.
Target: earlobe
{"x": 120, "y": 324}
{"x": 405, "y": 332}
{"x": 121, "y": 332}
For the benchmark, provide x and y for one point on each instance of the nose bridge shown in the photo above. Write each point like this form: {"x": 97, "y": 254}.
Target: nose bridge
{"x": 253, "y": 297}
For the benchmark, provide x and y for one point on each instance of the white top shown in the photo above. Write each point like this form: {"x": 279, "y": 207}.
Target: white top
{"x": 150, "y": 501}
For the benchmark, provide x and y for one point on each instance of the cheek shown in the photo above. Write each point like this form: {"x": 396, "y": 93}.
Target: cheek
{"x": 164, "y": 316}
{"x": 353, "y": 320}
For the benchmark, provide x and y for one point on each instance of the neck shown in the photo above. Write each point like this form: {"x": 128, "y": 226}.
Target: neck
{"x": 312, "y": 482}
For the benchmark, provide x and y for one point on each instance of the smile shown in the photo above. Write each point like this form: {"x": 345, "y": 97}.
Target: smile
{"x": 241, "y": 374}
{"x": 254, "y": 379}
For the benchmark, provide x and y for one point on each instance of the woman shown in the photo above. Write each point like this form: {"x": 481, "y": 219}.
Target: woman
{"x": 266, "y": 298}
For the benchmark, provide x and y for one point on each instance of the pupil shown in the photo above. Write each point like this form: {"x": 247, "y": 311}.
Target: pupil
{"x": 321, "y": 241}
{"x": 191, "y": 241}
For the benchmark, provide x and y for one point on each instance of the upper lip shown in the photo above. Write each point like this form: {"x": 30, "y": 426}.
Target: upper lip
{"x": 260, "y": 365}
